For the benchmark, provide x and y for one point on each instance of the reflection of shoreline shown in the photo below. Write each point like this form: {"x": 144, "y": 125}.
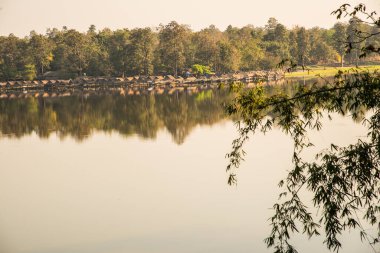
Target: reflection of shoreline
{"x": 144, "y": 81}
{"x": 79, "y": 114}
{"x": 84, "y": 138}
{"x": 63, "y": 91}
{"x": 103, "y": 91}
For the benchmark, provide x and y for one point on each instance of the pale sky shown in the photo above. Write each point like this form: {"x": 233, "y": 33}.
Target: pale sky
{"x": 22, "y": 16}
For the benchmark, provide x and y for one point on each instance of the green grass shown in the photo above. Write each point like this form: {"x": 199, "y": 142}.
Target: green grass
{"x": 314, "y": 71}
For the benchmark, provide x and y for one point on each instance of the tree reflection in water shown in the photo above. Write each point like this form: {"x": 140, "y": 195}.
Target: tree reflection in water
{"x": 80, "y": 115}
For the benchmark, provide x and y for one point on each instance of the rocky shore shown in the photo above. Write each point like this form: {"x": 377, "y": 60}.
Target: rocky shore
{"x": 141, "y": 81}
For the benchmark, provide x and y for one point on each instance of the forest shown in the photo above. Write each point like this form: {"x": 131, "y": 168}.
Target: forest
{"x": 174, "y": 49}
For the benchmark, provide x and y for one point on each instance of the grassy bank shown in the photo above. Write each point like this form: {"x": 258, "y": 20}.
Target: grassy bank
{"x": 312, "y": 72}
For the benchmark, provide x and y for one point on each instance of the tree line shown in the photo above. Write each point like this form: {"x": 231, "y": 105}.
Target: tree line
{"x": 174, "y": 48}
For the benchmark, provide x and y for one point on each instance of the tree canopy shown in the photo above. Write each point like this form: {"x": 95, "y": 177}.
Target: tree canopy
{"x": 174, "y": 48}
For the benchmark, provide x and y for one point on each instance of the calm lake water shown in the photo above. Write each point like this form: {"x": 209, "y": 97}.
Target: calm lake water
{"x": 143, "y": 174}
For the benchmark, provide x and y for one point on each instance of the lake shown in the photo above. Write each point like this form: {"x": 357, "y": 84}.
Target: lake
{"x": 142, "y": 173}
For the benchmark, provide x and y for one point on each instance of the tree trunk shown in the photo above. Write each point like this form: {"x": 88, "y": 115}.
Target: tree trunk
{"x": 356, "y": 57}
{"x": 176, "y": 65}
{"x": 80, "y": 68}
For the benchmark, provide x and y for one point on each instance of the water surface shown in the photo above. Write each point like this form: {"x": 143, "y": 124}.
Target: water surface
{"x": 142, "y": 174}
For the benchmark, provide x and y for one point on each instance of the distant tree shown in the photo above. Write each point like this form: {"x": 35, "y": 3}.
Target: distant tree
{"x": 248, "y": 47}
{"x": 251, "y": 55}
{"x": 92, "y": 30}
{"x": 372, "y": 44}
{"x": 99, "y": 59}
{"x": 173, "y": 42}
{"x": 142, "y": 46}
{"x": 80, "y": 49}
{"x": 73, "y": 51}
{"x": 303, "y": 46}
{"x": 340, "y": 35}
{"x": 232, "y": 33}
{"x": 270, "y": 29}
{"x": 9, "y": 57}
{"x": 41, "y": 50}
{"x": 229, "y": 57}
{"x": 206, "y": 46}
{"x": 354, "y": 40}
{"x": 321, "y": 52}
{"x": 293, "y": 48}
{"x": 117, "y": 44}
{"x": 276, "y": 43}
{"x": 14, "y": 57}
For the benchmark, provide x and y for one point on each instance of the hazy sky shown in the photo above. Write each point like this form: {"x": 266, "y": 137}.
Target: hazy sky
{"x": 22, "y": 16}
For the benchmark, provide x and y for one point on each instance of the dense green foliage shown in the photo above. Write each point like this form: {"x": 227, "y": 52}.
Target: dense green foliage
{"x": 198, "y": 69}
{"x": 174, "y": 49}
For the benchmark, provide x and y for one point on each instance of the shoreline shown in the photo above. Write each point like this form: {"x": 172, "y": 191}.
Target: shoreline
{"x": 141, "y": 81}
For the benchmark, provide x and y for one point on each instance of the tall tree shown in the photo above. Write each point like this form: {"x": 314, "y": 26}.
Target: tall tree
{"x": 276, "y": 42}
{"x": 229, "y": 57}
{"x": 8, "y": 57}
{"x": 340, "y": 36}
{"x": 99, "y": 59}
{"x": 118, "y": 49}
{"x": 173, "y": 42}
{"x": 206, "y": 44}
{"x": 293, "y": 48}
{"x": 246, "y": 41}
{"x": 73, "y": 51}
{"x": 303, "y": 46}
{"x": 270, "y": 29}
{"x": 142, "y": 46}
{"x": 41, "y": 50}
{"x": 354, "y": 40}
{"x": 321, "y": 51}
{"x": 14, "y": 58}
